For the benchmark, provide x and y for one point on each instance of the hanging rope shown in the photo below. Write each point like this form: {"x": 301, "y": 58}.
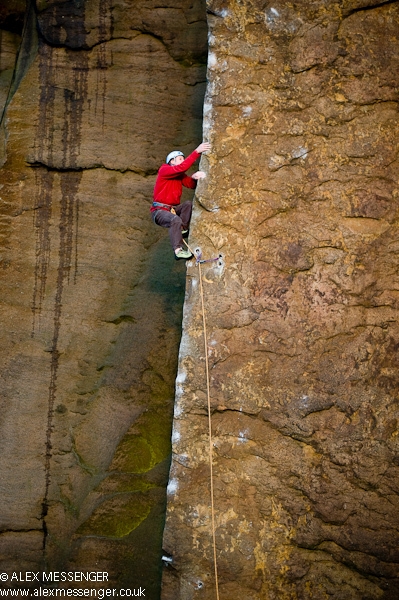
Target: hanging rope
{"x": 199, "y": 262}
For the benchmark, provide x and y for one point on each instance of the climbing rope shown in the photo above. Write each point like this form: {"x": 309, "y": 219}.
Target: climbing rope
{"x": 199, "y": 261}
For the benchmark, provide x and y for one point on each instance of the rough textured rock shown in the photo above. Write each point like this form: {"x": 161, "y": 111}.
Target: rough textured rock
{"x": 91, "y": 296}
{"x": 302, "y": 312}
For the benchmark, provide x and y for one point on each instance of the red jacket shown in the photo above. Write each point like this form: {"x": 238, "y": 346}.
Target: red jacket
{"x": 169, "y": 184}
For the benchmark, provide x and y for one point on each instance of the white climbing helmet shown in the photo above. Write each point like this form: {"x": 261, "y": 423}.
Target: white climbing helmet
{"x": 173, "y": 155}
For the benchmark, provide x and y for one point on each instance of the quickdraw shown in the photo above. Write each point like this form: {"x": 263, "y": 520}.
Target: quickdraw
{"x": 200, "y": 261}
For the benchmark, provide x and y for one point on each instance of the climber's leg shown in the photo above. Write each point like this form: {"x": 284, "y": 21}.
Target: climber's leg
{"x": 173, "y": 222}
{"x": 184, "y": 211}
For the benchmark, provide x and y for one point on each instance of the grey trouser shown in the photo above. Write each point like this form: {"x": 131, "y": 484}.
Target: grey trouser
{"x": 175, "y": 223}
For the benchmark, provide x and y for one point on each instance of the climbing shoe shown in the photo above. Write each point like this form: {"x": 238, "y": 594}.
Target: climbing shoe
{"x": 181, "y": 254}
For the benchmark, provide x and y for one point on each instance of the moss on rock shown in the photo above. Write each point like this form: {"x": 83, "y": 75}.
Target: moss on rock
{"x": 118, "y": 516}
{"x": 141, "y": 450}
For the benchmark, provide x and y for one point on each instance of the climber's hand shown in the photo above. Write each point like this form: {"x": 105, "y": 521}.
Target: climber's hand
{"x": 198, "y": 175}
{"x": 204, "y": 147}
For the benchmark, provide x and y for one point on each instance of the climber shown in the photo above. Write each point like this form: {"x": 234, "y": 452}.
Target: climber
{"x": 166, "y": 209}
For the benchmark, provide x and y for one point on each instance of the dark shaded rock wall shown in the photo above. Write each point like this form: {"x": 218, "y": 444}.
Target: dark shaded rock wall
{"x": 303, "y": 337}
{"x": 91, "y": 296}
{"x": 11, "y": 26}
{"x": 9, "y": 44}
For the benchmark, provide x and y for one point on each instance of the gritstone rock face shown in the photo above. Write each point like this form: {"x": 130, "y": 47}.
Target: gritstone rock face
{"x": 302, "y": 318}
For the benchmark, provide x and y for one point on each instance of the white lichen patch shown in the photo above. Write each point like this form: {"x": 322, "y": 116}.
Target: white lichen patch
{"x": 179, "y": 391}
{"x": 178, "y": 410}
{"x": 212, "y": 60}
{"x": 207, "y": 109}
{"x": 299, "y": 152}
{"x": 211, "y": 39}
{"x": 185, "y": 346}
{"x": 182, "y": 459}
{"x": 271, "y": 15}
{"x": 242, "y": 436}
{"x": 175, "y": 434}
{"x": 173, "y": 487}
{"x": 181, "y": 377}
